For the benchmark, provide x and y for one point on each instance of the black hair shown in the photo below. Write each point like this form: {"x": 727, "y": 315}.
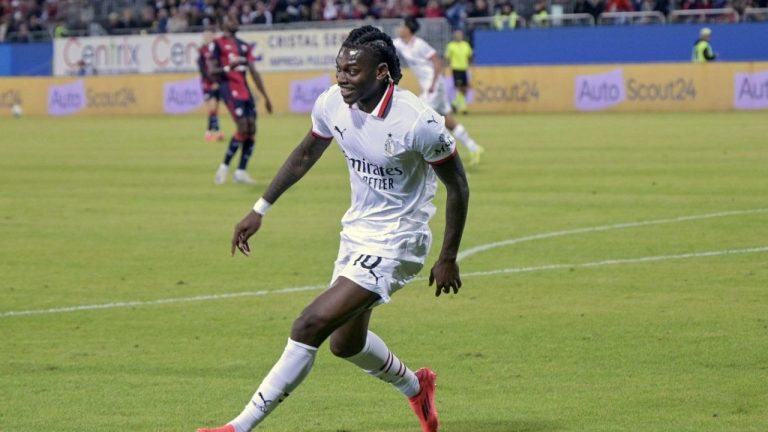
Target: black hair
{"x": 412, "y": 24}
{"x": 379, "y": 44}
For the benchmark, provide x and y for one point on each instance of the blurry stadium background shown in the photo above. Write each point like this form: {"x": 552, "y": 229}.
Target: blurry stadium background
{"x": 156, "y": 42}
{"x": 614, "y": 261}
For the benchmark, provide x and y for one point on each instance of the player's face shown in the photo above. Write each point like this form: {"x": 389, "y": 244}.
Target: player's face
{"x": 405, "y": 32}
{"x": 358, "y": 76}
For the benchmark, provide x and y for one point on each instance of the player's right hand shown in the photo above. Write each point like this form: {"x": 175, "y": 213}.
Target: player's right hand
{"x": 243, "y": 231}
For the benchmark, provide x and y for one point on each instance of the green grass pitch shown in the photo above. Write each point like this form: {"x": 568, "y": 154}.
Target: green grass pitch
{"x": 103, "y": 210}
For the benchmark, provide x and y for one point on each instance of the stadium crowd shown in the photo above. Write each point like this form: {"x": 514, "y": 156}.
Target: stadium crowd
{"x": 33, "y": 20}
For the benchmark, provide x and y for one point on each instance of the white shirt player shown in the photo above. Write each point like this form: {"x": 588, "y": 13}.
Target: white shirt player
{"x": 387, "y": 154}
{"x": 418, "y": 54}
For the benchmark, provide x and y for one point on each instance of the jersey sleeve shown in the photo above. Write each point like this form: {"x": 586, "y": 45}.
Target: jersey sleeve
{"x": 432, "y": 140}
{"x": 320, "y": 125}
{"x": 425, "y": 50}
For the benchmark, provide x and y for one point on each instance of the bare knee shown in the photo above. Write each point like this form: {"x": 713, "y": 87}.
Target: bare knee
{"x": 345, "y": 347}
{"x": 311, "y": 328}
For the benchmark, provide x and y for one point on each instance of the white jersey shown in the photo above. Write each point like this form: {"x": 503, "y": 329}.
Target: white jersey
{"x": 417, "y": 54}
{"x": 388, "y": 153}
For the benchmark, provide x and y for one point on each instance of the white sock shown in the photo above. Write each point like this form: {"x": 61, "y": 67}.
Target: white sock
{"x": 294, "y": 365}
{"x": 463, "y": 136}
{"x": 223, "y": 166}
{"x": 377, "y": 360}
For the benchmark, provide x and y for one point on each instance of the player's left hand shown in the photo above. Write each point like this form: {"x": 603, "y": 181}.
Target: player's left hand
{"x": 243, "y": 231}
{"x": 268, "y": 105}
{"x": 445, "y": 276}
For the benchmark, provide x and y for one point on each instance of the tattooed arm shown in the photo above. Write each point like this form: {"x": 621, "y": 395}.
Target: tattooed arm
{"x": 298, "y": 163}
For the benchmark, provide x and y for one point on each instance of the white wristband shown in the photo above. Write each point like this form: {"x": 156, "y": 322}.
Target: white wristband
{"x": 261, "y": 206}
{"x": 226, "y": 68}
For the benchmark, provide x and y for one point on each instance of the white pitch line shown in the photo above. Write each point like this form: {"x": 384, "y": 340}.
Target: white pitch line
{"x": 488, "y": 246}
{"x": 159, "y": 302}
{"x": 620, "y": 261}
{"x": 318, "y": 287}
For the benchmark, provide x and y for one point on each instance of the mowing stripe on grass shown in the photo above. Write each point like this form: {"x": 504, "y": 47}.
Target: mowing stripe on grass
{"x": 486, "y": 247}
{"x": 318, "y": 287}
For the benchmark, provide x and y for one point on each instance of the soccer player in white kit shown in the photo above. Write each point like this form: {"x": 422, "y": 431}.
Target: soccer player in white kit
{"x": 395, "y": 146}
{"x": 427, "y": 66}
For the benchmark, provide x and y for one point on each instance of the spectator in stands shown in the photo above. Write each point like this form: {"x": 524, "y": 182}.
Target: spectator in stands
{"x": 456, "y": 15}
{"x": 148, "y": 21}
{"x": 702, "y": 50}
{"x": 433, "y": 10}
{"x": 330, "y": 12}
{"x": 262, "y": 14}
{"x": 35, "y": 25}
{"x": 21, "y": 35}
{"x": 662, "y": 6}
{"x": 178, "y": 21}
{"x": 619, "y": 6}
{"x": 540, "y": 16}
{"x": 3, "y": 25}
{"x": 506, "y": 18}
{"x": 112, "y": 22}
{"x": 409, "y": 9}
{"x": 247, "y": 14}
{"x": 60, "y": 30}
{"x": 592, "y": 7}
{"x": 479, "y": 9}
{"x": 127, "y": 22}
{"x": 359, "y": 10}
{"x": 162, "y": 20}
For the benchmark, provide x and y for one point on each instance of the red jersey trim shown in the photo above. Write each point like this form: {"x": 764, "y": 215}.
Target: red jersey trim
{"x": 317, "y": 135}
{"x": 445, "y": 159}
{"x": 387, "y": 101}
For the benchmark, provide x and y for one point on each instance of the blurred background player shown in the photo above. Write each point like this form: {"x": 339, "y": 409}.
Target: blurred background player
{"x": 459, "y": 54}
{"x": 210, "y": 89}
{"x": 230, "y": 59}
{"x": 427, "y": 66}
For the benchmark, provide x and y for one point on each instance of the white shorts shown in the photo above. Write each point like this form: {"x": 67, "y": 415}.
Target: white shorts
{"x": 382, "y": 276}
{"x": 438, "y": 99}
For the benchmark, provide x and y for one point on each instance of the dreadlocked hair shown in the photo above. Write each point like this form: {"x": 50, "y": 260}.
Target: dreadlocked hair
{"x": 380, "y": 44}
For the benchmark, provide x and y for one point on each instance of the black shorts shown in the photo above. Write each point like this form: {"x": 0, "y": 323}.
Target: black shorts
{"x": 238, "y": 108}
{"x": 212, "y": 94}
{"x": 460, "y": 78}
{"x": 241, "y": 108}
